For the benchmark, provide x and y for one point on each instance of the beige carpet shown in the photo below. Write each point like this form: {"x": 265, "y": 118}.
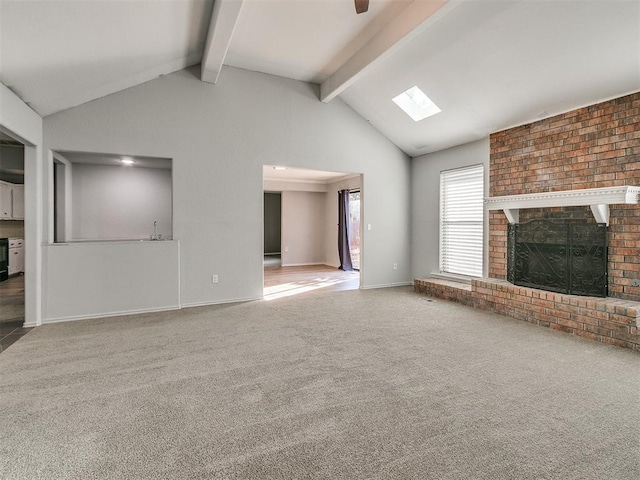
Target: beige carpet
{"x": 381, "y": 384}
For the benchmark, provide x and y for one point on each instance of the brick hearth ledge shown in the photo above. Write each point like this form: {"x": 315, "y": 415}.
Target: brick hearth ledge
{"x": 607, "y": 320}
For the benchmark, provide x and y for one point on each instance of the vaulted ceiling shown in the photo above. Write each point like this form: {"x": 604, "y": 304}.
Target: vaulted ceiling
{"x": 488, "y": 64}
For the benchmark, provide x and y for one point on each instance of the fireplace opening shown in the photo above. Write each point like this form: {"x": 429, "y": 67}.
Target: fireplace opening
{"x": 559, "y": 256}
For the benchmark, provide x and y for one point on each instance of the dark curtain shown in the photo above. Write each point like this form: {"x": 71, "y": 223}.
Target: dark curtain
{"x": 344, "y": 250}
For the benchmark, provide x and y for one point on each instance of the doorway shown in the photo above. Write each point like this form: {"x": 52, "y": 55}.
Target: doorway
{"x": 301, "y": 213}
{"x": 12, "y": 284}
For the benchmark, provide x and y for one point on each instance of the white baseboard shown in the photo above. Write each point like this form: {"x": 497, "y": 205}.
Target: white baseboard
{"x": 136, "y": 312}
{"x": 387, "y": 285}
{"x": 108, "y": 314}
{"x": 220, "y": 302}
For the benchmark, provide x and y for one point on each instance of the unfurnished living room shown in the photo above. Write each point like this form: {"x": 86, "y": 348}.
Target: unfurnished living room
{"x": 320, "y": 239}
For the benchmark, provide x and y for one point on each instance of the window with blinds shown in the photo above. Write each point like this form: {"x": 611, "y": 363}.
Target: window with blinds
{"x": 461, "y": 221}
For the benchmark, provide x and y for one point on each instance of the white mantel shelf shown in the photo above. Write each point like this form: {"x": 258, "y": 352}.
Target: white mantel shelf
{"x": 598, "y": 199}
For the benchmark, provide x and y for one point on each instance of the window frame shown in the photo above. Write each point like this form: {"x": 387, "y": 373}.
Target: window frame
{"x": 478, "y": 271}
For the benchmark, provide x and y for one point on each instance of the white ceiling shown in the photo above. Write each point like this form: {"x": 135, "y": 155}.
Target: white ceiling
{"x": 305, "y": 39}
{"x": 56, "y": 54}
{"x": 487, "y": 64}
{"x": 494, "y": 65}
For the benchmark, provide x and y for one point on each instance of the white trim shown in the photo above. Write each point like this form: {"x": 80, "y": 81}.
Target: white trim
{"x": 598, "y": 199}
{"x": 601, "y": 212}
{"x": 220, "y": 302}
{"x": 107, "y": 315}
{"x": 22, "y": 123}
{"x": 513, "y": 215}
{"x": 179, "y": 278}
{"x": 109, "y": 242}
{"x": 311, "y": 181}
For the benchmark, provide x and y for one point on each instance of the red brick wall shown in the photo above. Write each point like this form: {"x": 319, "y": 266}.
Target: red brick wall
{"x": 595, "y": 146}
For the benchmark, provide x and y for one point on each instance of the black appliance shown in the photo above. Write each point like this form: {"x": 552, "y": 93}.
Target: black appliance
{"x": 4, "y": 259}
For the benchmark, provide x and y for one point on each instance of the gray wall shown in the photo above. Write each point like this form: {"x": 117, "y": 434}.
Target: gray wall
{"x": 272, "y": 222}
{"x": 138, "y": 276}
{"x": 118, "y": 202}
{"x": 425, "y": 200}
{"x": 303, "y": 230}
{"x": 219, "y": 137}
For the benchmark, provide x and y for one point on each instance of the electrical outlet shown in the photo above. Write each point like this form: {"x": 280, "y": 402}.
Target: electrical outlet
{"x": 395, "y": 266}
{"x": 635, "y": 282}
{"x": 214, "y": 278}
{"x": 286, "y": 249}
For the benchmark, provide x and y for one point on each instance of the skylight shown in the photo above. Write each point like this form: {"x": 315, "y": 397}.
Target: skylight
{"x": 416, "y": 104}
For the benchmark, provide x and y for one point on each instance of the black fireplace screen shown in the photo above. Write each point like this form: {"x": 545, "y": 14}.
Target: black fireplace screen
{"x": 562, "y": 257}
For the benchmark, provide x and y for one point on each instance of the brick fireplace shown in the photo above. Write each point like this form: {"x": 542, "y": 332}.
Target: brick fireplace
{"x": 596, "y": 146}
{"x": 593, "y": 147}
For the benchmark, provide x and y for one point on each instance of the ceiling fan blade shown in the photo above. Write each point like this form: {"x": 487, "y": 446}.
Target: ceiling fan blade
{"x": 362, "y": 6}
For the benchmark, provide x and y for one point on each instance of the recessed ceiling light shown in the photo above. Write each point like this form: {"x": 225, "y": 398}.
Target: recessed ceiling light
{"x": 127, "y": 161}
{"x": 416, "y": 104}
{"x": 279, "y": 168}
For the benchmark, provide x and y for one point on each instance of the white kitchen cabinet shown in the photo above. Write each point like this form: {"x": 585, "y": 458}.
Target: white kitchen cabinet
{"x": 6, "y": 200}
{"x": 18, "y": 202}
{"x": 16, "y": 255}
{"x": 11, "y": 201}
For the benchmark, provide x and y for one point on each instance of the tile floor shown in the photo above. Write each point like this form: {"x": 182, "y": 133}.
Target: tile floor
{"x": 12, "y": 311}
{"x": 11, "y": 332}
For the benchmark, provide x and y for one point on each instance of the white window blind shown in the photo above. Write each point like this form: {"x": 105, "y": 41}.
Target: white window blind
{"x": 461, "y": 220}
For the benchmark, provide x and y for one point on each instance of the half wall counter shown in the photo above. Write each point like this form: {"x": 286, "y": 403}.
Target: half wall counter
{"x": 89, "y": 279}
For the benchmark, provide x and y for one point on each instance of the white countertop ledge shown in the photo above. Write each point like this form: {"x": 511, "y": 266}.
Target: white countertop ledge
{"x": 109, "y": 242}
